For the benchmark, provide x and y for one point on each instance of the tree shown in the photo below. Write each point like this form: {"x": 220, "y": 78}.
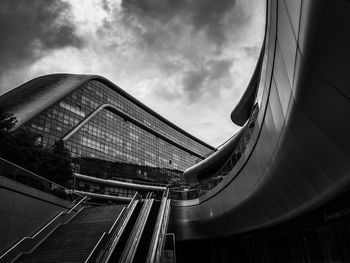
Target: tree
{"x": 20, "y": 147}
{"x": 56, "y": 164}
{"x": 7, "y": 121}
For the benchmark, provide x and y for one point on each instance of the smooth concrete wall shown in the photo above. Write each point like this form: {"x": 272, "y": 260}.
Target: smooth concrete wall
{"x": 24, "y": 210}
{"x": 299, "y": 155}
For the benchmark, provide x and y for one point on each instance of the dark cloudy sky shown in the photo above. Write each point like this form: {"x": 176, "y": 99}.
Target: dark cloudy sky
{"x": 190, "y": 60}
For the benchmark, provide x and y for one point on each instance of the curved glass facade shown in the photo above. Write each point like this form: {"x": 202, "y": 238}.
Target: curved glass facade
{"x": 111, "y": 145}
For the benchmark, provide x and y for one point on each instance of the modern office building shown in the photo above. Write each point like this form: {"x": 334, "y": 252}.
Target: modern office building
{"x": 109, "y": 134}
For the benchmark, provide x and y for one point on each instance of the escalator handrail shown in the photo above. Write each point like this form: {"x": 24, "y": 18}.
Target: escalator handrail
{"x": 105, "y": 235}
{"x": 162, "y": 235}
{"x": 157, "y": 229}
{"x": 108, "y": 251}
{"x": 135, "y": 197}
{"x": 96, "y": 246}
{"x": 155, "y": 245}
{"x": 135, "y": 237}
{"x": 115, "y": 222}
{"x": 106, "y": 254}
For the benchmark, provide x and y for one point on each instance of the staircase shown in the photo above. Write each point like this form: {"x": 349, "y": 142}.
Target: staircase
{"x": 74, "y": 241}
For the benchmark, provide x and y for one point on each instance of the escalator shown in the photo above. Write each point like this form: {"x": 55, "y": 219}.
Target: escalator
{"x": 142, "y": 237}
{"x": 123, "y": 239}
{"x": 145, "y": 241}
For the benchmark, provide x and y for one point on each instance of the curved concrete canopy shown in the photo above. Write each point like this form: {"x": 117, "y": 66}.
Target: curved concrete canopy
{"x": 298, "y": 157}
{"x": 210, "y": 165}
{"x": 241, "y": 112}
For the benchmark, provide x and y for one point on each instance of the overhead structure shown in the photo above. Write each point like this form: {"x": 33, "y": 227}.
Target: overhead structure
{"x": 293, "y": 155}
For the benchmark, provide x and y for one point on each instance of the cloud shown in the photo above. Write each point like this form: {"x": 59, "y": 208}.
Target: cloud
{"x": 206, "y": 15}
{"x": 189, "y": 60}
{"x": 105, "y": 5}
{"x": 29, "y": 29}
{"x": 194, "y": 42}
{"x": 252, "y": 51}
{"x": 196, "y": 83}
{"x": 219, "y": 68}
{"x": 193, "y": 82}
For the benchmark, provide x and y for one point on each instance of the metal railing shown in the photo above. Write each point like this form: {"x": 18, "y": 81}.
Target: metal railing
{"x": 104, "y": 238}
{"x": 110, "y": 242}
{"x": 157, "y": 241}
{"x": 137, "y": 182}
{"x": 205, "y": 185}
{"x": 23, "y": 176}
{"x": 27, "y": 244}
{"x": 238, "y": 152}
{"x": 205, "y": 156}
{"x": 135, "y": 236}
{"x": 169, "y": 250}
{"x": 184, "y": 194}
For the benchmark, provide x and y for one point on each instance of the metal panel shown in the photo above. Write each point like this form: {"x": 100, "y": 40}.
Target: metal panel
{"x": 311, "y": 163}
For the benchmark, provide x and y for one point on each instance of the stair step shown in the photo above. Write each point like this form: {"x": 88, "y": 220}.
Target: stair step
{"x": 74, "y": 241}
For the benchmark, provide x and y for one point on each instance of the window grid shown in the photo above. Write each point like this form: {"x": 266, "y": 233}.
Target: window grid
{"x": 109, "y": 146}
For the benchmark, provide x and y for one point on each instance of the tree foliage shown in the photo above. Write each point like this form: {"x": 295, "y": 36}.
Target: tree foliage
{"x": 56, "y": 165}
{"x": 22, "y": 148}
{"x": 7, "y": 121}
